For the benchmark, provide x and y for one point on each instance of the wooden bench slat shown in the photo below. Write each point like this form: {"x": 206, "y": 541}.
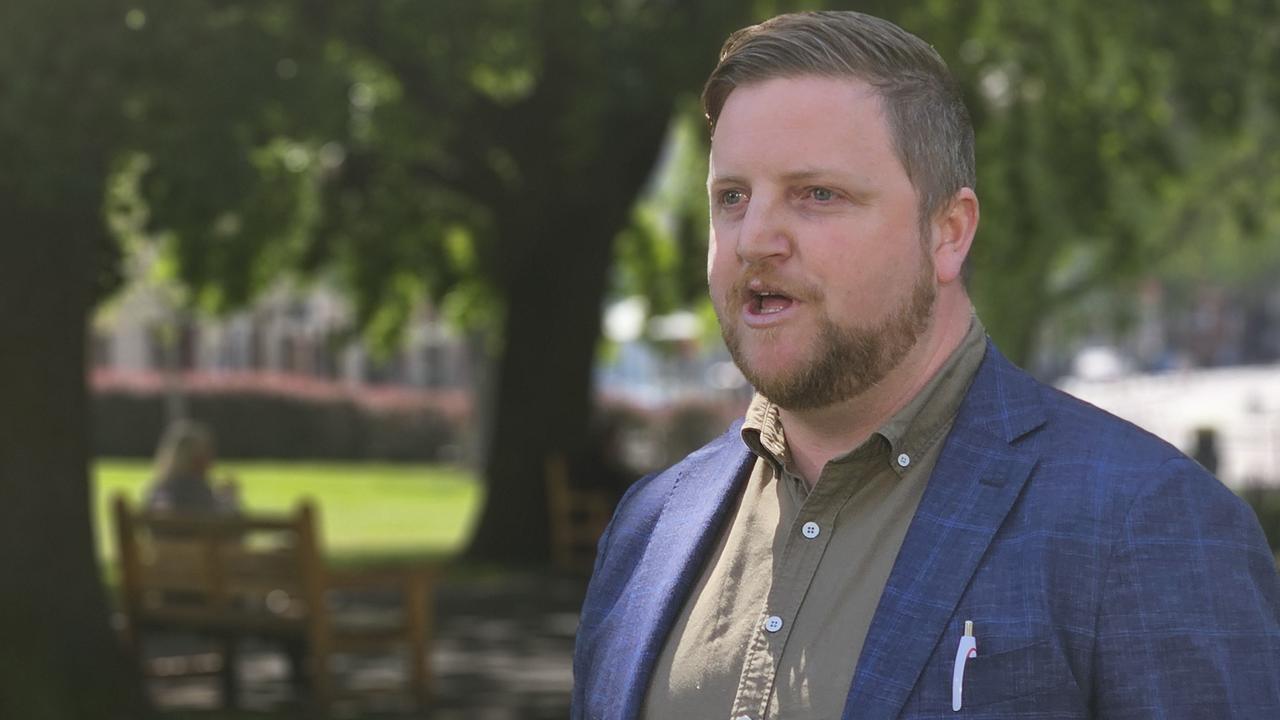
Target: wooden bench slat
{"x": 263, "y": 576}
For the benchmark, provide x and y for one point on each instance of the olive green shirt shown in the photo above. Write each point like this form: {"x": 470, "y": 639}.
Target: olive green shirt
{"x": 776, "y": 621}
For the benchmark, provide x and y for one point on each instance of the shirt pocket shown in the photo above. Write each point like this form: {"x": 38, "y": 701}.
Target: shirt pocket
{"x": 1036, "y": 671}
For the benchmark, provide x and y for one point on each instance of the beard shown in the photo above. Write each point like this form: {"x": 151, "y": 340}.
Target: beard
{"x": 845, "y": 361}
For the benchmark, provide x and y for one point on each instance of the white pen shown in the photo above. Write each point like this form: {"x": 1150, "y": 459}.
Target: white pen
{"x": 968, "y": 648}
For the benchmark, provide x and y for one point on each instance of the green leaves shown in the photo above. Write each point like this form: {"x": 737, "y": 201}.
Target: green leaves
{"x": 1101, "y": 130}
{"x": 255, "y": 139}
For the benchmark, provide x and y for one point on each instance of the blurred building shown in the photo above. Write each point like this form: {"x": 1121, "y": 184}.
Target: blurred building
{"x": 660, "y": 360}
{"x": 1240, "y": 406}
{"x": 310, "y": 332}
{"x": 1188, "y": 363}
{"x": 289, "y": 330}
{"x": 1161, "y": 328}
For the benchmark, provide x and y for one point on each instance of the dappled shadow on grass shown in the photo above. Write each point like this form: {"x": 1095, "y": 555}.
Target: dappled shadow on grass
{"x": 502, "y": 650}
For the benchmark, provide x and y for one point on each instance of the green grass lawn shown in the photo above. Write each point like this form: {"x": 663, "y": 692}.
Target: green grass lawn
{"x": 368, "y": 512}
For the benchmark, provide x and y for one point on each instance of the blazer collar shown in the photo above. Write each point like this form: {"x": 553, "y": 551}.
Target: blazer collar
{"x": 703, "y": 491}
{"x": 1003, "y": 398}
{"x": 977, "y": 478}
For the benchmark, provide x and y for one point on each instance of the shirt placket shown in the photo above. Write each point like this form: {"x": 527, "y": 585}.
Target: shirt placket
{"x": 808, "y": 536}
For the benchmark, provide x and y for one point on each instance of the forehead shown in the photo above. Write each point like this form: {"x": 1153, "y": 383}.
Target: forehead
{"x": 801, "y": 120}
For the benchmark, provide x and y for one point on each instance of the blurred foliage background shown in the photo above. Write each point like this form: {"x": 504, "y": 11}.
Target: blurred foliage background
{"x": 518, "y": 163}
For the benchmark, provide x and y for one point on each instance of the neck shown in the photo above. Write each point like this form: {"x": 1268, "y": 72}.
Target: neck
{"x": 816, "y": 436}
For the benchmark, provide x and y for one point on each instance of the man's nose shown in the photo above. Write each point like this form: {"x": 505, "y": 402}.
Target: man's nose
{"x": 765, "y": 232}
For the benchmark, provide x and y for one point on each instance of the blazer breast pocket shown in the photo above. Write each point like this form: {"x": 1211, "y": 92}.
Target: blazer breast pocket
{"x": 1037, "y": 672}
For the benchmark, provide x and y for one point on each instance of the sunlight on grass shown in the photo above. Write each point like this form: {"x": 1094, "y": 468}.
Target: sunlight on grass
{"x": 367, "y": 510}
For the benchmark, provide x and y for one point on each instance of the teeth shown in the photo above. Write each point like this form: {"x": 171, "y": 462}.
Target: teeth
{"x": 759, "y": 300}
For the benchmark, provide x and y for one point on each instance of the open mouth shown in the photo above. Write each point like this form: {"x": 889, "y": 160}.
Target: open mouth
{"x": 769, "y": 303}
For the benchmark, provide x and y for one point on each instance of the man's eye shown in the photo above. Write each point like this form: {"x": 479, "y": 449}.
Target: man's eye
{"x": 732, "y": 197}
{"x": 822, "y": 194}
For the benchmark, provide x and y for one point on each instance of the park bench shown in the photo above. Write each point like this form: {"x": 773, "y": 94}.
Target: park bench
{"x": 231, "y": 578}
{"x": 578, "y": 516}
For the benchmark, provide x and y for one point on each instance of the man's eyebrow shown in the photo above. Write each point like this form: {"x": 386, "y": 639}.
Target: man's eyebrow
{"x": 802, "y": 175}
{"x": 810, "y": 174}
{"x": 713, "y": 180}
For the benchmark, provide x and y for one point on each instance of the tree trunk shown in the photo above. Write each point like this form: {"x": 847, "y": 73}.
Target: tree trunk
{"x": 543, "y": 381}
{"x": 59, "y": 658}
{"x": 585, "y": 143}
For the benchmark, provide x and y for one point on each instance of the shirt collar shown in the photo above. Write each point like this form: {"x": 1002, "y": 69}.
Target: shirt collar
{"x": 910, "y": 432}
{"x": 915, "y": 428}
{"x": 762, "y": 432}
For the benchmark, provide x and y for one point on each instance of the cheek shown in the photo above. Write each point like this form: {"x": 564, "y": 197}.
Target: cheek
{"x": 721, "y": 263}
{"x": 855, "y": 290}
{"x": 878, "y": 289}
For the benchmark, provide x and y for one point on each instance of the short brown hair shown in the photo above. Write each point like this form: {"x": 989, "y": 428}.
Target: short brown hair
{"x": 930, "y": 126}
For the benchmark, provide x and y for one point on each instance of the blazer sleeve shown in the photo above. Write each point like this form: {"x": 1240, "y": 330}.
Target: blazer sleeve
{"x": 1189, "y": 623}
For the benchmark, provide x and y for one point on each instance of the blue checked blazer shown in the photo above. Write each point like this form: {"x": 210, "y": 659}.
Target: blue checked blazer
{"x": 1107, "y": 575}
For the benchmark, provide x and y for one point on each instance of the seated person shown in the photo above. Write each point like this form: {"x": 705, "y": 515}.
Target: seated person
{"x": 181, "y": 482}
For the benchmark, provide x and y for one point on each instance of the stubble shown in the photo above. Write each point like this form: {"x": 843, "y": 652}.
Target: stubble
{"x": 846, "y": 360}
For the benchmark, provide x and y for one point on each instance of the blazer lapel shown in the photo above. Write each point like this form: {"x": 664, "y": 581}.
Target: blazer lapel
{"x": 672, "y": 561}
{"x": 978, "y": 476}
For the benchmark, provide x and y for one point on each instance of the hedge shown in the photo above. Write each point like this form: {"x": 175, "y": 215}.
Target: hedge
{"x": 266, "y": 416}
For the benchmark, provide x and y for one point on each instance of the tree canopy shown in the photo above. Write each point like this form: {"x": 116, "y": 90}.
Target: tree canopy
{"x": 1113, "y": 144}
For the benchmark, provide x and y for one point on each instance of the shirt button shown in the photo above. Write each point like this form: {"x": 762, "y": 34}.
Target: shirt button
{"x": 904, "y": 460}
{"x": 773, "y": 624}
{"x": 810, "y": 530}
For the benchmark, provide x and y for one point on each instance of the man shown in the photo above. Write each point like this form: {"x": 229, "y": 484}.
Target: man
{"x": 904, "y": 525}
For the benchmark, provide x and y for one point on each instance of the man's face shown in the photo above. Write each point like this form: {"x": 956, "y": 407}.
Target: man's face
{"x": 818, "y": 271}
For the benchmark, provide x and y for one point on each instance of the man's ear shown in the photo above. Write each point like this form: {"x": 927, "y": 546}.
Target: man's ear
{"x": 953, "y": 232}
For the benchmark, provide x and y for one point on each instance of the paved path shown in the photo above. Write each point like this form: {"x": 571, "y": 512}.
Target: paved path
{"x": 503, "y": 651}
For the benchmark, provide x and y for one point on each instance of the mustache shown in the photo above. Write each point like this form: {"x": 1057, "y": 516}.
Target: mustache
{"x": 796, "y": 289}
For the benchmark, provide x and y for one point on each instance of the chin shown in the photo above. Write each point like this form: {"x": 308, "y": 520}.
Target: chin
{"x": 768, "y": 356}
{"x": 770, "y": 370}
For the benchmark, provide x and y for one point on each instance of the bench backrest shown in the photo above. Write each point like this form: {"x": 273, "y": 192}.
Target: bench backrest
{"x": 577, "y": 516}
{"x": 220, "y": 572}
